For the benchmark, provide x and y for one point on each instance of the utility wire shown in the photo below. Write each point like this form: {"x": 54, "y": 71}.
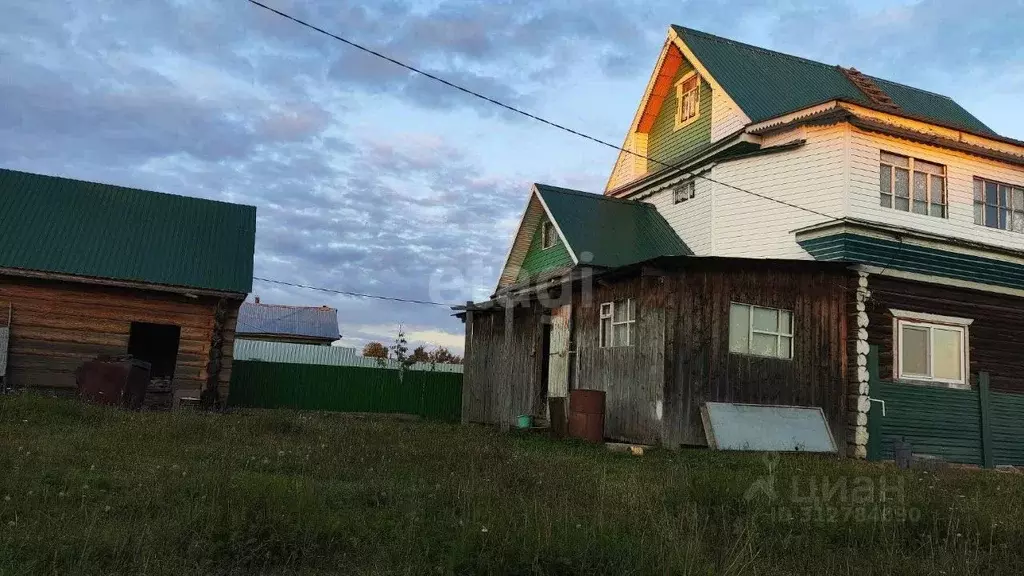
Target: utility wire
{"x": 348, "y": 293}
{"x": 521, "y": 112}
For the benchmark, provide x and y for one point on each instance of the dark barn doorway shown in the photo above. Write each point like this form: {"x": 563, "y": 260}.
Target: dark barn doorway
{"x": 156, "y": 344}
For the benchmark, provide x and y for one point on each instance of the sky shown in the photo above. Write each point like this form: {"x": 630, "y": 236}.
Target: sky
{"x": 369, "y": 179}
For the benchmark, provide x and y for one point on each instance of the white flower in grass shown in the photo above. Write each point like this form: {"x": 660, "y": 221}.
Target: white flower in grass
{"x": 93, "y": 467}
{"x": 484, "y": 529}
{"x": 7, "y": 498}
{"x": 280, "y": 452}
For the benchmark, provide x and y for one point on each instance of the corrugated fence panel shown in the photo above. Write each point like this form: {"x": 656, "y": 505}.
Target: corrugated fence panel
{"x": 943, "y": 422}
{"x": 323, "y": 355}
{"x": 442, "y": 394}
{"x": 1007, "y": 413}
{"x": 436, "y": 395}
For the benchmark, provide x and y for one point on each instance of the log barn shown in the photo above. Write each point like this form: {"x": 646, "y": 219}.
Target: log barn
{"x": 90, "y": 270}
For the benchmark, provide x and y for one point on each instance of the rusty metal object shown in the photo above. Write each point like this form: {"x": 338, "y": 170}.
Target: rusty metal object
{"x": 559, "y": 423}
{"x": 586, "y": 415}
{"x": 113, "y": 381}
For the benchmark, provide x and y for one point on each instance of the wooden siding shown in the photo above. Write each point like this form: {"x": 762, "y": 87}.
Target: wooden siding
{"x": 57, "y": 326}
{"x": 538, "y": 259}
{"x": 704, "y": 370}
{"x": 691, "y": 219}
{"x": 726, "y": 116}
{"x": 632, "y": 377}
{"x": 665, "y": 143}
{"x": 630, "y": 165}
{"x": 812, "y": 176}
{"x": 961, "y": 169}
{"x": 995, "y": 335}
{"x": 502, "y": 378}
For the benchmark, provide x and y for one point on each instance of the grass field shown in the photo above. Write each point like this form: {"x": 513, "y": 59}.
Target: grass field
{"x": 87, "y": 490}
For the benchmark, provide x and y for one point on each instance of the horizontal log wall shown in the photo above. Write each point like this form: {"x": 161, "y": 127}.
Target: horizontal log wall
{"x": 57, "y": 326}
{"x": 995, "y": 336}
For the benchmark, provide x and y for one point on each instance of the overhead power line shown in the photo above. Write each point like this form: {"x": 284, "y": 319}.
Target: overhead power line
{"x": 521, "y": 112}
{"x": 349, "y": 293}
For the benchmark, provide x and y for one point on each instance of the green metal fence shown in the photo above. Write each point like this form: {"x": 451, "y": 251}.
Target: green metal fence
{"x": 975, "y": 426}
{"x": 435, "y": 395}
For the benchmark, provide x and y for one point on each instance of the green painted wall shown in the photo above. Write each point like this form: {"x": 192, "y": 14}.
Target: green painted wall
{"x": 539, "y": 260}
{"x": 849, "y": 247}
{"x": 665, "y": 143}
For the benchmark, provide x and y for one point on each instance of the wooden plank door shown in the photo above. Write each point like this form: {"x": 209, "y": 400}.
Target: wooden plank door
{"x": 558, "y": 357}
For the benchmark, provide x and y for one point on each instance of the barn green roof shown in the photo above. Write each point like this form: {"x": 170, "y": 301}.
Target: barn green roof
{"x": 72, "y": 227}
{"x": 610, "y": 232}
{"x": 766, "y": 84}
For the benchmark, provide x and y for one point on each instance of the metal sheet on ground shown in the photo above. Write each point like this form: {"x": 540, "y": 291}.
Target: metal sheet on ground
{"x": 763, "y": 428}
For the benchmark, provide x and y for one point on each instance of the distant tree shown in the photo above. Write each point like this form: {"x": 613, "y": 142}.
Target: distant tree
{"x": 441, "y": 355}
{"x": 400, "y": 349}
{"x": 420, "y": 354}
{"x": 376, "y": 350}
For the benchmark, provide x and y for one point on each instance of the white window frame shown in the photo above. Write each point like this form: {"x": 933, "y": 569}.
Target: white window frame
{"x": 684, "y": 191}
{"x": 548, "y": 236}
{"x": 607, "y": 312}
{"x": 750, "y": 331}
{"x": 903, "y": 318}
{"x": 912, "y": 171}
{"x": 680, "y": 97}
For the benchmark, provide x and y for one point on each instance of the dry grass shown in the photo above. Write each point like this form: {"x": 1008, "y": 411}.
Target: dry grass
{"x": 88, "y": 490}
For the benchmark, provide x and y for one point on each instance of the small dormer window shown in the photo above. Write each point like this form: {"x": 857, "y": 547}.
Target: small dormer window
{"x": 687, "y": 99}
{"x": 547, "y": 234}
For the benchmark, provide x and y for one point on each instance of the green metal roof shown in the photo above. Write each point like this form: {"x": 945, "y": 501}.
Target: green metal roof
{"x": 66, "y": 226}
{"x": 610, "y": 232}
{"x": 766, "y": 84}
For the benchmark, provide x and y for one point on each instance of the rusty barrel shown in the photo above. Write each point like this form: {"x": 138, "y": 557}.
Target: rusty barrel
{"x": 586, "y": 415}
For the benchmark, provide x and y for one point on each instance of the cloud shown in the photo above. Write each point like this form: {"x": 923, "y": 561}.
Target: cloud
{"x": 369, "y": 179}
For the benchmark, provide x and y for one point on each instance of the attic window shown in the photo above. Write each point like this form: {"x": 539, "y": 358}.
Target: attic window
{"x": 687, "y": 99}
{"x": 683, "y": 191}
{"x": 548, "y": 236}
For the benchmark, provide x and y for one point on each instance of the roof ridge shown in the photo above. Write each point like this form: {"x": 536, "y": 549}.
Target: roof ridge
{"x": 725, "y": 40}
{"x": 908, "y": 86}
{"x": 589, "y": 194}
{"x": 117, "y": 186}
{"x": 321, "y": 307}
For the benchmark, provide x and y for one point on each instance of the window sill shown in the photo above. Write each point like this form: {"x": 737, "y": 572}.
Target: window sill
{"x": 681, "y": 125}
{"x": 934, "y": 383}
{"x": 760, "y": 356}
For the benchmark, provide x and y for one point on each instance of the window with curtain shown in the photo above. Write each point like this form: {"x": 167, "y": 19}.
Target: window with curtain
{"x": 931, "y": 351}
{"x": 687, "y": 99}
{"x": 760, "y": 331}
{"x": 911, "y": 185}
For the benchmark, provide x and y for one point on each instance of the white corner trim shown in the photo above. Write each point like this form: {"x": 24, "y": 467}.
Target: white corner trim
{"x": 926, "y": 317}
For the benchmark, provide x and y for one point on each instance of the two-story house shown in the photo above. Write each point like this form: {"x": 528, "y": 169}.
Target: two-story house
{"x": 769, "y": 221}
